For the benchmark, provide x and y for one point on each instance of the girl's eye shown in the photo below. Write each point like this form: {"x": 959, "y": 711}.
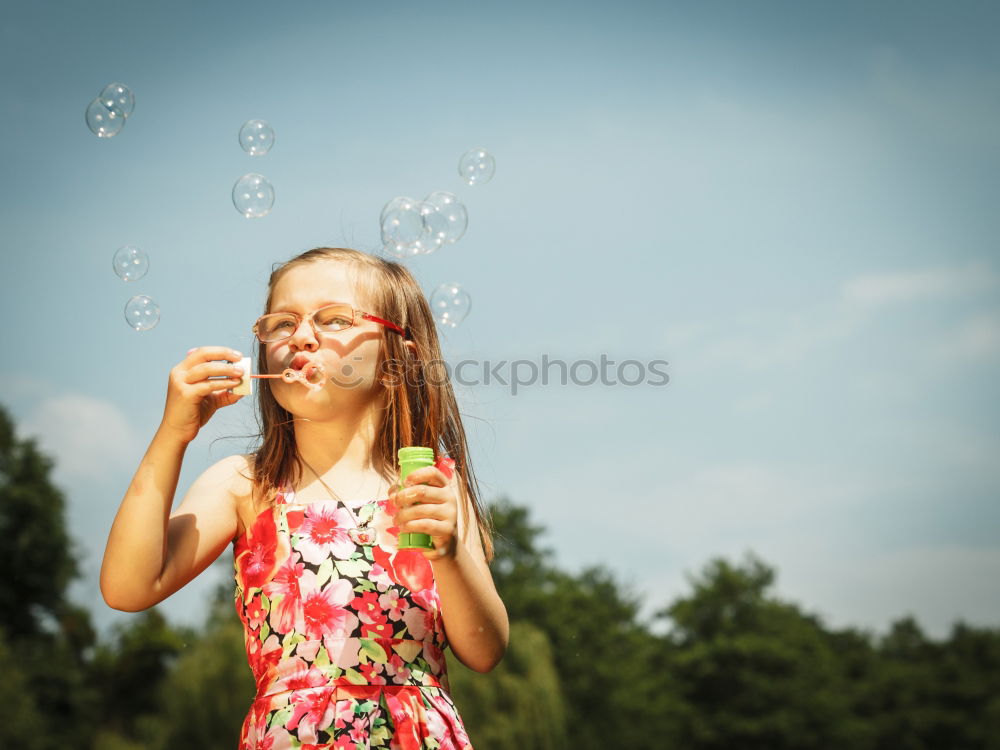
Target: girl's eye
{"x": 283, "y": 324}
{"x": 334, "y": 319}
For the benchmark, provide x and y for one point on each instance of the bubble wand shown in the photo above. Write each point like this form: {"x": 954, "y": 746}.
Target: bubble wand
{"x": 312, "y": 376}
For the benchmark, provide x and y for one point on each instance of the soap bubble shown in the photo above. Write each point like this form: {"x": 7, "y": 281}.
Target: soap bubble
{"x": 253, "y": 196}
{"x": 256, "y": 137}
{"x": 450, "y": 304}
{"x": 477, "y": 166}
{"x": 118, "y": 97}
{"x": 394, "y": 205}
{"x": 410, "y": 227}
{"x": 142, "y": 313}
{"x": 104, "y": 122}
{"x": 454, "y": 213}
{"x": 130, "y": 263}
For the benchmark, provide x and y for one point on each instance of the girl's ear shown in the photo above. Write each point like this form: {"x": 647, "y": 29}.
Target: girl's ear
{"x": 411, "y": 347}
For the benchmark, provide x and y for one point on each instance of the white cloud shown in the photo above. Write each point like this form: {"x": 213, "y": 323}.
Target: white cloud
{"x": 87, "y": 437}
{"x": 977, "y": 337}
{"x": 751, "y": 343}
{"x": 875, "y": 289}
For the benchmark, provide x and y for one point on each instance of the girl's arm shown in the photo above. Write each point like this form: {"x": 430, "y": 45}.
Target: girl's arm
{"x": 474, "y": 616}
{"x": 151, "y": 553}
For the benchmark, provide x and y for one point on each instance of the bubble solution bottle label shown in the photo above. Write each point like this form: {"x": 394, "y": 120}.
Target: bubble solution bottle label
{"x": 410, "y": 459}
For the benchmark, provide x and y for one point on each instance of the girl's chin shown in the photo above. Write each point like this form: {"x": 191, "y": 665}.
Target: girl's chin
{"x": 329, "y": 395}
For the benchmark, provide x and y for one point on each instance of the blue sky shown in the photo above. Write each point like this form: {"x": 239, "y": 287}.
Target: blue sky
{"x": 793, "y": 204}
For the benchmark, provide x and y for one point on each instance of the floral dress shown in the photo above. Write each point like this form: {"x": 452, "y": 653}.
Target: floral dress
{"x": 346, "y": 642}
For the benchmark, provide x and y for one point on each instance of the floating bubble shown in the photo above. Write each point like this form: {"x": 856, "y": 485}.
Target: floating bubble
{"x": 394, "y": 205}
{"x": 104, "y": 122}
{"x": 435, "y": 225}
{"x": 130, "y": 263}
{"x": 477, "y": 166}
{"x": 118, "y": 97}
{"x": 256, "y": 137}
{"x": 253, "y": 196}
{"x": 410, "y": 228}
{"x": 453, "y": 211}
{"x": 450, "y": 304}
{"x": 142, "y": 313}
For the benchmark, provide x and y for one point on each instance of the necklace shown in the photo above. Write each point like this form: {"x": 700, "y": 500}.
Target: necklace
{"x": 360, "y": 533}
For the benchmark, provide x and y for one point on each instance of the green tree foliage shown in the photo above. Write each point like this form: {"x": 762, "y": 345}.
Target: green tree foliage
{"x": 737, "y": 667}
{"x": 132, "y": 666}
{"x": 517, "y": 706}
{"x": 923, "y": 694}
{"x": 602, "y": 653}
{"x": 36, "y": 555}
{"x": 208, "y": 692}
{"x": 46, "y": 639}
{"x": 755, "y": 672}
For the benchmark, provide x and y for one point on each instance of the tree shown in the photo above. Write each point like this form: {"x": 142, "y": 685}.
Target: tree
{"x": 47, "y": 639}
{"x": 517, "y": 706}
{"x": 755, "y": 672}
{"x": 132, "y": 666}
{"x": 602, "y": 653}
{"x": 37, "y": 558}
{"x": 203, "y": 700}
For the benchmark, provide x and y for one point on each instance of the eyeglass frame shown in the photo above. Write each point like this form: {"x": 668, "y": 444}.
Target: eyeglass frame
{"x": 355, "y": 314}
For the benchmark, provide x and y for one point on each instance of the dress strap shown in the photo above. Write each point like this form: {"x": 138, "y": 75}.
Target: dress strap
{"x": 284, "y": 496}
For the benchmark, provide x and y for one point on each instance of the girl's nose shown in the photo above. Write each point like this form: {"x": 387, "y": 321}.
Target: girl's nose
{"x": 304, "y": 337}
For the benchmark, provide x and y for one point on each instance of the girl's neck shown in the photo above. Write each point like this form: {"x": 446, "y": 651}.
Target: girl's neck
{"x": 340, "y": 451}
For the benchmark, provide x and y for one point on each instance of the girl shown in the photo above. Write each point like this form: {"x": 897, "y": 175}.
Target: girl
{"x": 344, "y": 632}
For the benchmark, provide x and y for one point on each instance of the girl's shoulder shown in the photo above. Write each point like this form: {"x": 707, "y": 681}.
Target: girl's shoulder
{"x": 233, "y": 474}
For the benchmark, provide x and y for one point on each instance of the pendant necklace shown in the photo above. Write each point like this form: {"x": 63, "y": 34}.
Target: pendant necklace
{"x": 360, "y": 533}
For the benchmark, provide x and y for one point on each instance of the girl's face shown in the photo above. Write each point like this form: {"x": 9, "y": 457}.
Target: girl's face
{"x": 349, "y": 358}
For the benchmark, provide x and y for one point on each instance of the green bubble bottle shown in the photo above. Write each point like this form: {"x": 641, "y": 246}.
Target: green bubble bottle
{"x": 411, "y": 459}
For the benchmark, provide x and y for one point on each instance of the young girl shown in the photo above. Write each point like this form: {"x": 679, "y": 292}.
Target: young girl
{"x": 344, "y": 632}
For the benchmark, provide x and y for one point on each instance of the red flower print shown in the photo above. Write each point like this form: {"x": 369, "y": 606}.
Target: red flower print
{"x": 409, "y": 733}
{"x": 377, "y": 629}
{"x": 255, "y": 613}
{"x": 419, "y": 622}
{"x": 446, "y": 466}
{"x": 382, "y": 558}
{"x": 359, "y": 730}
{"x": 294, "y": 520}
{"x": 324, "y": 531}
{"x": 263, "y": 658}
{"x": 305, "y": 678}
{"x": 367, "y": 606}
{"x": 312, "y": 712}
{"x": 372, "y": 672}
{"x": 397, "y": 668}
{"x": 321, "y": 615}
{"x": 428, "y": 599}
{"x": 434, "y": 657}
{"x": 259, "y": 552}
{"x": 411, "y": 569}
{"x": 393, "y": 604}
{"x": 283, "y": 591}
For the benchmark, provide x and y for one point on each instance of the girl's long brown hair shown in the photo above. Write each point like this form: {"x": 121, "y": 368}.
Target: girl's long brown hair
{"x": 419, "y": 406}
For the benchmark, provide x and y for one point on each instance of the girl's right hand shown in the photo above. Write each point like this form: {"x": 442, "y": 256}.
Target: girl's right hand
{"x": 192, "y": 398}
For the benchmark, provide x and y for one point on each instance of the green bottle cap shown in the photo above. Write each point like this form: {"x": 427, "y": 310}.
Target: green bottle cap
{"x": 412, "y": 458}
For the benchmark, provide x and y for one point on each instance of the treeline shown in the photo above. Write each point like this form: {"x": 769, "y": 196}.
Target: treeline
{"x": 728, "y": 666}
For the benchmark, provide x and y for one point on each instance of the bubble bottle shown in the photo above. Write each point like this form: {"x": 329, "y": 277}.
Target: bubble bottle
{"x": 411, "y": 459}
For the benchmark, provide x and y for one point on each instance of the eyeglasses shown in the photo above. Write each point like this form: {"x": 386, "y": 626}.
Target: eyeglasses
{"x": 329, "y": 319}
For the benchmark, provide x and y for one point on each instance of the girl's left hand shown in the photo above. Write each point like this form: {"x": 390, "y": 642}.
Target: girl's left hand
{"x": 427, "y": 504}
